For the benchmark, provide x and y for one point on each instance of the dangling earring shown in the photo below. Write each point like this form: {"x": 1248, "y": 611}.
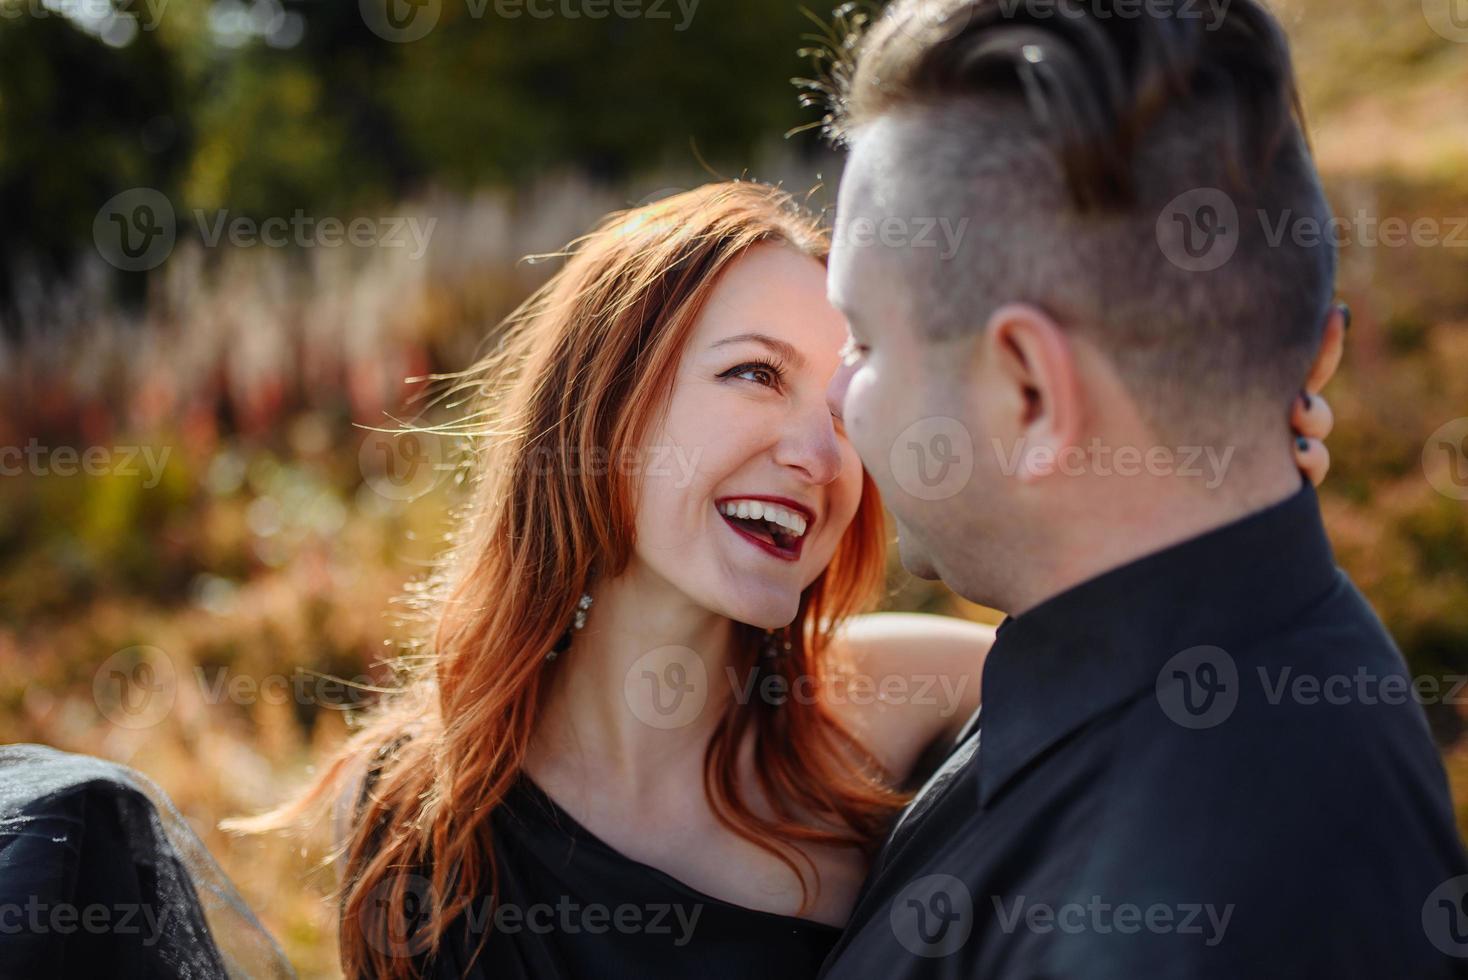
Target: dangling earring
{"x": 577, "y": 622}
{"x": 776, "y": 644}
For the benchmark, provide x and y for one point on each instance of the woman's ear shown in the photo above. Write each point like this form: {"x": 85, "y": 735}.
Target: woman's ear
{"x": 1038, "y": 402}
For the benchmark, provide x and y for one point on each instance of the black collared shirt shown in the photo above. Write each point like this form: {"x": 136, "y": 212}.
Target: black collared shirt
{"x": 1206, "y": 763}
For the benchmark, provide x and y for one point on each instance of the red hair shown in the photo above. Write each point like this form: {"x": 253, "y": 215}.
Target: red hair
{"x": 585, "y": 364}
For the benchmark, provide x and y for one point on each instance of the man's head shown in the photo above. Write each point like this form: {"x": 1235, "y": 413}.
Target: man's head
{"x": 1069, "y": 231}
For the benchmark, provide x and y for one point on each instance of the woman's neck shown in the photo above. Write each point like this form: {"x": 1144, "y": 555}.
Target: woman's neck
{"x": 641, "y": 688}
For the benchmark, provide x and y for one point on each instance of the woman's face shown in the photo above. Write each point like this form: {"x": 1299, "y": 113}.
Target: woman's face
{"x": 748, "y": 425}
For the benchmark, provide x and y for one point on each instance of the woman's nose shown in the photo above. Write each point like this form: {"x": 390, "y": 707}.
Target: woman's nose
{"x": 811, "y": 445}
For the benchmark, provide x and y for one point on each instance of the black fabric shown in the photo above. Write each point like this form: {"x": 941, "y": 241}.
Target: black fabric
{"x": 1103, "y": 780}
{"x": 100, "y": 876}
{"x": 571, "y": 906}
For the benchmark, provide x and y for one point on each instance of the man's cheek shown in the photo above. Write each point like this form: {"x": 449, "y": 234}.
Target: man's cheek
{"x": 864, "y": 417}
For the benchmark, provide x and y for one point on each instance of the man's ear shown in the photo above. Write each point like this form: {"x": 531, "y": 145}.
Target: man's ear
{"x": 1332, "y": 345}
{"x": 1035, "y": 398}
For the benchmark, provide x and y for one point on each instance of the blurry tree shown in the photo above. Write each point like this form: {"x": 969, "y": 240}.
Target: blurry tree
{"x": 263, "y": 108}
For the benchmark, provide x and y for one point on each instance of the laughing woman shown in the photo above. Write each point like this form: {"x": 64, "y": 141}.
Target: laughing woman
{"x": 659, "y": 734}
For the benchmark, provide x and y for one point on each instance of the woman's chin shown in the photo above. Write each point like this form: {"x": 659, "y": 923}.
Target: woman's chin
{"x": 764, "y": 615}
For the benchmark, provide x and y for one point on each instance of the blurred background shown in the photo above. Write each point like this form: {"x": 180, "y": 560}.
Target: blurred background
{"x": 232, "y": 231}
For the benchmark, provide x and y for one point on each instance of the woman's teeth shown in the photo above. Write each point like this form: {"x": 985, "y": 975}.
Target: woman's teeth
{"x": 788, "y": 521}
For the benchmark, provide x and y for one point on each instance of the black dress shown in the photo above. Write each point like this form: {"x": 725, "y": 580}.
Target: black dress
{"x": 572, "y": 906}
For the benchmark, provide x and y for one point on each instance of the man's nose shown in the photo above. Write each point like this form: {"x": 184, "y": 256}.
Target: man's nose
{"x": 836, "y": 390}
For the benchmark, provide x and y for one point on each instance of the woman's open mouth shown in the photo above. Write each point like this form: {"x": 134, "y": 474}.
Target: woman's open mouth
{"x": 774, "y": 528}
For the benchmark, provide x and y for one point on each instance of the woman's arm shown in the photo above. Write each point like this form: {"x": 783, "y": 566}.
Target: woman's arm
{"x": 915, "y": 680}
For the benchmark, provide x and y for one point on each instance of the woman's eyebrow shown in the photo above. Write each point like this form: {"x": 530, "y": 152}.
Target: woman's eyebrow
{"x": 786, "y": 350}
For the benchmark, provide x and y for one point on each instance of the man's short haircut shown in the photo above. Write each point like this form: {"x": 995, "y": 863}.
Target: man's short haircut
{"x": 1094, "y": 147}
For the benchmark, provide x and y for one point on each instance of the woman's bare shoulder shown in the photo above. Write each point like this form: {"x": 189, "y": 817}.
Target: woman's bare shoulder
{"x": 911, "y": 679}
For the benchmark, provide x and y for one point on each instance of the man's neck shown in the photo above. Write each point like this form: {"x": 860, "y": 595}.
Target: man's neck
{"x": 1134, "y": 526}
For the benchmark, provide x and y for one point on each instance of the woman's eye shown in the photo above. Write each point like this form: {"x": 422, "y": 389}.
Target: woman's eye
{"x": 769, "y": 372}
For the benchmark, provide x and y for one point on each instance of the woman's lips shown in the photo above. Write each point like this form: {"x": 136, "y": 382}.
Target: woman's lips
{"x": 791, "y": 553}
